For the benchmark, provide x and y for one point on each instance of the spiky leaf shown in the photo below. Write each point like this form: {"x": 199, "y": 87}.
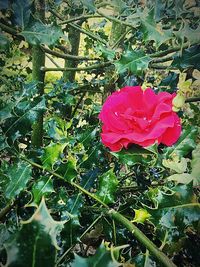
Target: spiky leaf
{"x": 134, "y": 61}
{"x": 51, "y": 154}
{"x": 39, "y": 33}
{"x": 42, "y": 187}
{"x": 174, "y": 211}
{"x": 185, "y": 144}
{"x": 35, "y": 243}
{"x": 19, "y": 174}
{"x": 107, "y": 186}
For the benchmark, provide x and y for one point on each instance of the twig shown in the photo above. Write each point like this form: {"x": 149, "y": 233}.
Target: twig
{"x": 79, "y": 18}
{"x": 92, "y": 67}
{"x": 65, "y": 56}
{"x": 6, "y": 210}
{"x": 192, "y": 99}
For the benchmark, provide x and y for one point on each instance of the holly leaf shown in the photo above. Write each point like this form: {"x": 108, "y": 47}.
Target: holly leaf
{"x": 71, "y": 213}
{"x": 68, "y": 169}
{"x": 35, "y": 243}
{"x": 174, "y": 211}
{"x": 189, "y": 58}
{"x": 107, "y": 187}
{"x": 42, "y": 187}
{"x": 18, "y": 174}
{"x": 134, "y": 61}
{"x": 135, "y": 154}
{"x": 152, "y": 30}
{"x": 103, "y": 257}
{"x": 39, "y": 33}
{"x": 89, "y": 4}
{"x": 185, "y": 144}
{"x": 51, "y": 154}
{"x": 21, "y": 12}
{"x": 192, "y": 36}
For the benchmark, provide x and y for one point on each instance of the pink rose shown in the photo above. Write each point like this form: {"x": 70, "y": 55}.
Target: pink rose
{"x": 134, "y": 116}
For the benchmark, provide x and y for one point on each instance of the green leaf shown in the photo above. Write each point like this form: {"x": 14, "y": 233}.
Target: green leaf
{"x": 35, "y": 243}
{"x": 152, "y": 30}
{"x": 135, "y": 154}
{"x": 174, "y": 211}
{"x": 193, "y": 36}
{"x": 51, "y": 154}
{"x": 56, "y": 128}
{"x": 68, "y": 169}
{"x": 71, "y": 213}
{"x": 42, "y": 187}
{"x": 185, "y": 144}
{"x": 189, "y": 58}
{"x": 19, "y": 174}
{"x": 133, "y": 61}
{"x": 40, "y": 33}
{"x": 102, "y": 258}
{"x": 107, "y": 187}
{"x": 21, "y": 12}
{"x": 89, "y": 4}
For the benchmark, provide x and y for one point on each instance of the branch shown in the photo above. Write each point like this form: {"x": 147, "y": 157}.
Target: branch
{"x": 5, "y": 210}
{"x": 159, "y": 255}
{"x": 93, "y": 36}
{"x": 192, "y": 99}
{"x": 92, "y": 67}
{"x": 65, "y": 56}
{"x": 79, "y": 18}
{"x": 116, "y": 20}
{"x": 53, "y": 61}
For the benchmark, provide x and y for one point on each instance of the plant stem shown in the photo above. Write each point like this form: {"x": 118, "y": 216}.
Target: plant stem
{"x": 159, "y": 255}
{"x": 92, "y": 67}
{"x": 5, "y": 210}
{"x": 192, "y": 99}
{"x": 83, "y": 17}
{"x": 65, "y": 56}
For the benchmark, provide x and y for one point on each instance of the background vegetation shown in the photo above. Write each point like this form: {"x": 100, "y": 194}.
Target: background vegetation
{"x": 65, "y": 199}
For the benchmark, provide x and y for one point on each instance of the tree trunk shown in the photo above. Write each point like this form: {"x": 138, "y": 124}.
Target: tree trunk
{"x": 38, "y": 61}
{"x": 74, "y": 39}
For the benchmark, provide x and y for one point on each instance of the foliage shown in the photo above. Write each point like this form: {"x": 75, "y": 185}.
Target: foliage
{"x": 57, "y": 199}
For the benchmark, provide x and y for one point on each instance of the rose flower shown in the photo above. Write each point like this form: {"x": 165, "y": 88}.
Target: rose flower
{"x": 134, "y": 116}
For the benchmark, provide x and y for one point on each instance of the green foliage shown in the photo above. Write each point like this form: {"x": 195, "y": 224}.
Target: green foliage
{"x": 185, "y": 144}
{"x": 149, "y": 43}
{"x": 21, "y": 12}
{"x": 152, "y": 30}
{"x": 18, "y": 175}
{"x": 51, "y": 154}
{"x": 102, "y": 257}
{"x": 174, "y": 211}
{"x": 107, "y": 186}
{"x": 39, "y": 33}
{"x": 134, "y": 61}
{"x": 35, "y": 243}
{"x": 41, "y": 188}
